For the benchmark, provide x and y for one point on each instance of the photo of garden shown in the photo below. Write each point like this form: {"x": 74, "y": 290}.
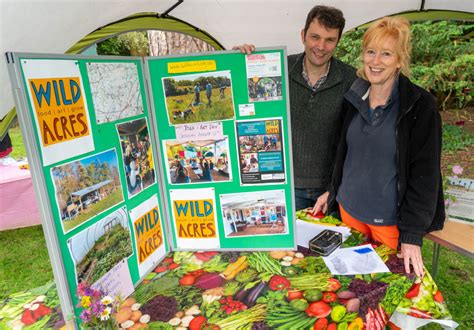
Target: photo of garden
{"x": 254, "y": 213}
{"x": 264, "y": 89}
{"x": 86, "y": 187}
{"x": 199, "y": 97}
{"x": 198, "y": 161}
{"x": 97, "y": 249}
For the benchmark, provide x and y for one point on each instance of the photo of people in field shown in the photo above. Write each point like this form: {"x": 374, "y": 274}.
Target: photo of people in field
{"x": 97, "y": 249}
{"x": 137, "y": 155}
{"x": 198, "y": 161}
{"x": 200, "y": 97}
{"x": 264, "y": 89}
{"x": 254, "y": 213}
{"x": 86, "y": 187}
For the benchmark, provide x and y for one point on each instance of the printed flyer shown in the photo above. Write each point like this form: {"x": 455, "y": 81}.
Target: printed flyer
{"x": 194, "y": 218}
{"x": 260, "y": 151}
{"x": 61, "y": 116}
{"x": 264, "y": 77}
{"x": 148, "y": 232}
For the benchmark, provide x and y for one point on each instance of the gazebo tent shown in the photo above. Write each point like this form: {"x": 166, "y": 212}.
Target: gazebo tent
{"x": 71, "y": 26}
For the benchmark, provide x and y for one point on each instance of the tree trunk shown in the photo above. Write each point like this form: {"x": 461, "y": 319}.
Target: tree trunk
{"x": 167, "y": 43}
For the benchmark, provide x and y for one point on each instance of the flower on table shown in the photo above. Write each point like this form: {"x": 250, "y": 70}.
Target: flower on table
{"x": 105, "y": 315}
{"x": 458, "y": 170}
{"x": 97, "y": 306}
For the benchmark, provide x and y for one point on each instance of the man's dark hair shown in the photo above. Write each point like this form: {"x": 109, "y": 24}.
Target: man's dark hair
{"x": 329, "y": 17}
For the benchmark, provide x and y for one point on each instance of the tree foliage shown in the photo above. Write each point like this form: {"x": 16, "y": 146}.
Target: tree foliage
{"x": 442, "y": 60}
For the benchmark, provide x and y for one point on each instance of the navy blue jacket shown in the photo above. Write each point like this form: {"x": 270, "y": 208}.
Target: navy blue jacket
{"x": 420, "y": 198}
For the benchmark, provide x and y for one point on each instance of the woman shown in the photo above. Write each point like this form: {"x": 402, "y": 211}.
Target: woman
{"x": 387, "y": 177}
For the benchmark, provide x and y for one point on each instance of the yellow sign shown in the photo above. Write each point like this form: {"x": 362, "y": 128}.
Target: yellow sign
{"x": 195, "y": 218}
{"x": 194, "y": 66}
{"x": 59, "y": 107}
{"x": 148, "y": 234}
{"x": 272, "y": 127}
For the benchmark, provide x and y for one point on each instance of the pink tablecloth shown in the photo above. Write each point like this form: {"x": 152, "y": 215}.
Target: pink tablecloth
{"x": 18, "y": 206}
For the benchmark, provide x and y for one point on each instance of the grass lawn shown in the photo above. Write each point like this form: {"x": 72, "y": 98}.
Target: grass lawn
{"x": 220, "y": 109}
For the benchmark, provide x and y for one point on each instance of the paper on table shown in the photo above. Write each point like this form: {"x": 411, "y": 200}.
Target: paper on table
{"x": 355, "y": 260}
{"x": 305, "y": 231}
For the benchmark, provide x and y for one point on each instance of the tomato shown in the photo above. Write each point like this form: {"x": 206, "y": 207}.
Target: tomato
{"x": 173, "y": 266}
{"x": 329, "y": 297}
{"x": 318, "y": 309}
{"x": 160, "y": 269}
{"x": 332, "y": 326}
{"x": 168, "y": 260}
{"x": 294, "y": 294}
{"x": 187, "y": 280}
{"x": 438, "y": 297}
{"x": 278, "y": 283}
{"x": 321, "y": 324}
{"x": 415, "y": 312}
{"x": 334, "y": 284}
{"x": 197, "y": 272}
{"x": 197, "y": 322}
{"x": 414, "y": 291}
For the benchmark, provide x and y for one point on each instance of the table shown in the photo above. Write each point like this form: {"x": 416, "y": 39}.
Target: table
{"x": 456, "y": 236}
{"x": 18, "y": 206}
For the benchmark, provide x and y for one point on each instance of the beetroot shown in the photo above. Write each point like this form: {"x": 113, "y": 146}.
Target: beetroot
{"x": 209, "y": 281}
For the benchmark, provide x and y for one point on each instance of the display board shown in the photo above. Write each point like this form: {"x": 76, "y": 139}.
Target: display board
{"x": 132, "y": 158}
{"x": 223, "y": 127}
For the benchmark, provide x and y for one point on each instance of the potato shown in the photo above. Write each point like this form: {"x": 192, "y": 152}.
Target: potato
{"x": 135, "y": 316}
{"x": 128, "y": 302}
{"x": 290, "y": 253}
{"x": 295, "y": 261}
{"x": 123, "y": 314}
{"x": 277, "y": 254}
{"x": 138, "y": 326}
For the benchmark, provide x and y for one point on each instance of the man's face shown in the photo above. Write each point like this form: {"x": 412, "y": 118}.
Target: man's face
{"x": 319, "y": 43}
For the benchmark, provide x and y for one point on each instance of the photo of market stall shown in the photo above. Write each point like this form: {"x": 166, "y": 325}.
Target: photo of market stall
{"x": 198, "y": 161}
{"x": 137, "y": 155}
{"x": 254, "y": 213}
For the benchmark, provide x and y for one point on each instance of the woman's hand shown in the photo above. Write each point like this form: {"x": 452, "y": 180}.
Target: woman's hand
{"x": 321, "y": 203}
{"x": 412, "y": 254}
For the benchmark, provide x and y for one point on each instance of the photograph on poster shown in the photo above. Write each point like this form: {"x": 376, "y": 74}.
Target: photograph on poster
{"x": 264, "y": 77}
{"x": 198, "y": 161}
{"x": 199, "y": 97}
{"x": 86, "y": 187}
{"x": 98, "y": 248}
{"x": 115, "y": 89}
{"x": 254, "y": 213}
{"x": 61, "y": 116}
{"x": 194, "y": 218}
{"x": 137, "y": 155}
{"x": 260, "y": 151}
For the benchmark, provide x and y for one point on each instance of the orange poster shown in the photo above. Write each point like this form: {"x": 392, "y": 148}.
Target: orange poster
{"x": 59, "y": 108}
{"x": 148, "y": 234}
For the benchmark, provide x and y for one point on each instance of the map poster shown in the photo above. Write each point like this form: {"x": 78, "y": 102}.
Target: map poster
{"x": 261, "y": 154}
{"x": 194, "y": 218}
{"x": 56, "y": 94}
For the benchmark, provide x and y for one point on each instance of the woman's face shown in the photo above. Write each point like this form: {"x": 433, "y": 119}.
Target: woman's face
{"x": 381, "y": 62}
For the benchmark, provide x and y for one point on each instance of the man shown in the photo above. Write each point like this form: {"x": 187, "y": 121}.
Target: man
{"x": 317, "y": 83}
{"x": 197, "y": 94}
{"x": 208, "y": 92}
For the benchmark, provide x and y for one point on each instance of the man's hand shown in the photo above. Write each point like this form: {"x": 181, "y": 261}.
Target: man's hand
{"x": 321, "y": 203}
{"x": 245, "y": 48}
{"x": 411, "y": 254}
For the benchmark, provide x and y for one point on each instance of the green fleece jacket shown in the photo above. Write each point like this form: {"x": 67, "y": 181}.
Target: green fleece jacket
{"x": 316, "y": 121}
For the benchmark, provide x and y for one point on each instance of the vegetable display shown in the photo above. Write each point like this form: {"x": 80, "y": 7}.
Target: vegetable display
{"x": 252, "y": 290}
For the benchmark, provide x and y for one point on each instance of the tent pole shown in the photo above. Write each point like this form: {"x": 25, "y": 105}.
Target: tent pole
{"x": 167, "y": 11}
